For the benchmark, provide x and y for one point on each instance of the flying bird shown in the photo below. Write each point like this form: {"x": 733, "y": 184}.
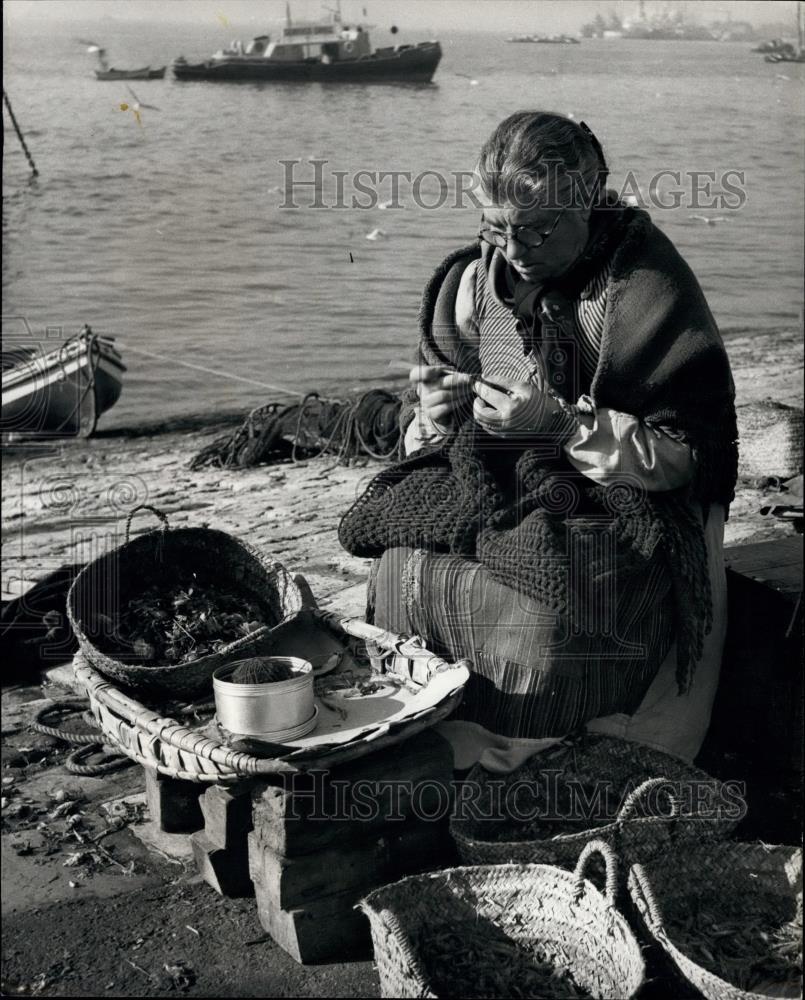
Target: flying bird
{"x": 709, "y": 220}
{"x": 136, "y": 106}
{"x": 93, "y": 47}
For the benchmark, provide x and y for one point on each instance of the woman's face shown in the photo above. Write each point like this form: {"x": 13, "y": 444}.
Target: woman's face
{"x": 561, "y": 248}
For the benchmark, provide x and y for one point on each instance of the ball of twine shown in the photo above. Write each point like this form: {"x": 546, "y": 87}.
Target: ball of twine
{"x": 260, "y": 670}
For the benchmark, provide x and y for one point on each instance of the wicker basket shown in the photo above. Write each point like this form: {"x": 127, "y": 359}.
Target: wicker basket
{"x": 514, "y": 908}
{"x": 108, "y": 582}
{"x": 734, "y": 882}
{"x": 179, "y": 751}
{"x": 770, "y": 440}
{"x": 652, "y": 817}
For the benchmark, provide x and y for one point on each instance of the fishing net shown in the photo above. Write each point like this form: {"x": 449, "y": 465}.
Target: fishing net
{"x": 364, "y": 426}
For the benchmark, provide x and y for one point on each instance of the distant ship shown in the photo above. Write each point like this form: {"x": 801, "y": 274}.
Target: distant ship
{"x": 669, "y": 25}
{"x": 316, "y": 51}
{"x": 545, "y": 39}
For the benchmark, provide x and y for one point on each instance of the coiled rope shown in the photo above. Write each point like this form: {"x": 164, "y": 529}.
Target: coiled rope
{"x": 87, "y": 744}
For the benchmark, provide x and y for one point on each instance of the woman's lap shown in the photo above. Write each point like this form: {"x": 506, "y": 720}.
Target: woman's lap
{"x": 533, "y": 675}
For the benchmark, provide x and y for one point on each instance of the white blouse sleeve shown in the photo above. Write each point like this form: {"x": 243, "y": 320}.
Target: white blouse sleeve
{"x": 607, "y": 444}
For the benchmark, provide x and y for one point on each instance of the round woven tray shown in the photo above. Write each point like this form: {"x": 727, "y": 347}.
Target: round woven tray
{"x": 108, "y": 582}
{"x": 178, "y": 751}
{"x": 650, "y": 819}
{"x": 727, "y": 878}
{"x": 517, "y": 906}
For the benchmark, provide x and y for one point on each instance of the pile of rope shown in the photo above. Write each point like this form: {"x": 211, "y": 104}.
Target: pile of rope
{"x": 364, "y": 426}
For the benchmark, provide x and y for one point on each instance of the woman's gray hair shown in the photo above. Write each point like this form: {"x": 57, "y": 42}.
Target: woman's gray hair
{"x": 532, "y": 154}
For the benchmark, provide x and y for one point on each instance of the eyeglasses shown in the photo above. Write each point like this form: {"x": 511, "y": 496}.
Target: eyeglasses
{"x": 526, "y": 235}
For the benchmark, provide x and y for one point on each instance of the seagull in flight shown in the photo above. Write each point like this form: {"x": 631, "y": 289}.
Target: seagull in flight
{"x": 96, "y": 48}
{"x": 136, "y": 106}
{"x": 709, "y": 220}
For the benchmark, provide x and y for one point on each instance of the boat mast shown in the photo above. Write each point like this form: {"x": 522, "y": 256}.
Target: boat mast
{"x": 800, "y": 28}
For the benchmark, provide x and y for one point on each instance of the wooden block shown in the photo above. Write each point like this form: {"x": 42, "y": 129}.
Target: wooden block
{"x": 313, "y": 811}
{"x": 173, "y": 803}
{"x": 286, "y": 883}
{"x": 225, "y": 869}
{"x": 227, "y": 814}
{"x": 777, "y": 564}
{"x": 328, "y": 930}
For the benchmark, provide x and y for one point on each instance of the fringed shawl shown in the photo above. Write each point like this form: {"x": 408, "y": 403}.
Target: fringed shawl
{"x": 526, "y": 513}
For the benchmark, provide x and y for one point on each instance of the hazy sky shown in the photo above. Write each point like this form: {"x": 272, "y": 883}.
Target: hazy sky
{"x": 464, "y": 15}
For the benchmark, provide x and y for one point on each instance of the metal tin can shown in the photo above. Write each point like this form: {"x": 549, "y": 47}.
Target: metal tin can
{"x": 265, "y": 709}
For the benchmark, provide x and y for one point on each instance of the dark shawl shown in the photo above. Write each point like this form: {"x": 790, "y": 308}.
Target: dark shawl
{"x": 520, "y": 510}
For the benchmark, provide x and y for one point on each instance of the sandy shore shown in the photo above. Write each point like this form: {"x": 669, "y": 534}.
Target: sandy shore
{"x": 120, "y": 923}
{"x": 61, "y": 503}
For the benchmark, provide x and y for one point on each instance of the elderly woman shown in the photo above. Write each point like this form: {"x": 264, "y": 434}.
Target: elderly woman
{"x": 571, "y": 460}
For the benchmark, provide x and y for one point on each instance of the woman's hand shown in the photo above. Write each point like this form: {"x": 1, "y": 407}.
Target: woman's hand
{"x": 522, "y": 409}
{"x": 442, "y": 392}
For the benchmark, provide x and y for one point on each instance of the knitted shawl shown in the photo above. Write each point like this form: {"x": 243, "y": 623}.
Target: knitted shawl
{"x": 534, "y": 521}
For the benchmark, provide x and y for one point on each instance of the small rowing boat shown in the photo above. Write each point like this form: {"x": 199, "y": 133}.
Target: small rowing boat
{"x": 60, "y": 392}
{"x": 145, "y": 73}
{"x": 107, "y": 72}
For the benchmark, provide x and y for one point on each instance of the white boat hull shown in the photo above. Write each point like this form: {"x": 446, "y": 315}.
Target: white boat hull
{"x": 63, "y": 392}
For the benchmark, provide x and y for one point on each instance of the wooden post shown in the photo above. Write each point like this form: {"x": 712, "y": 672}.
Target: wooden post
{"x": 17, "y": 129}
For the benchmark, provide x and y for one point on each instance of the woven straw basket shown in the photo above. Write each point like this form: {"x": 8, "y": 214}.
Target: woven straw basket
{"x": 770, "y": 440}
{"x": 733, "y": 882}
{"x": 514, "y": 908}
{"x": 178, "y": 750}
{"x": 107, "y": 583}
{"x": 652, "y": 818}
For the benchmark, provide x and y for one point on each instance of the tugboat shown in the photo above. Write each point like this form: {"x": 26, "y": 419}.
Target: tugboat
{"x": 316, "y": 50}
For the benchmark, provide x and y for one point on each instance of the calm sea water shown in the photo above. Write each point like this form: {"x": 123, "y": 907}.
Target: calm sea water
{"x": 173, "y": 238}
